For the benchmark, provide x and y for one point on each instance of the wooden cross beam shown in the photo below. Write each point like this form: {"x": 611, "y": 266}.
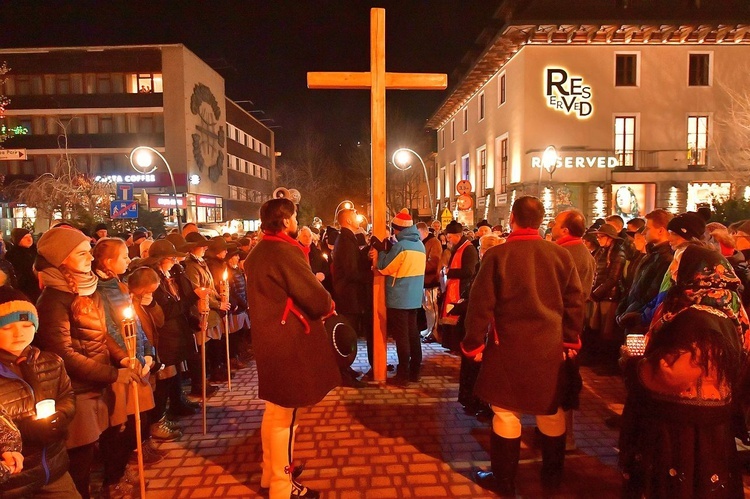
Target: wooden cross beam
{"x": 377, "y": 80}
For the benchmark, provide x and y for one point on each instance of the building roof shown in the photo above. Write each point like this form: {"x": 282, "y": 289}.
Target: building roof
{"x": 534, "y": 22}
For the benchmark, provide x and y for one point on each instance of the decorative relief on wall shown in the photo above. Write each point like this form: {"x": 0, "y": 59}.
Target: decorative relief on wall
{"x": 208, "y": 141}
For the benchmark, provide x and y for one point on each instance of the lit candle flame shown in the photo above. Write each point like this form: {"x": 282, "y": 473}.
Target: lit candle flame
{"x": 127, "y": 313}
{"x": 225, "y": 276}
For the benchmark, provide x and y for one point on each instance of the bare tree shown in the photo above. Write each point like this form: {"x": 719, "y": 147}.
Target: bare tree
{"x": 731, "y": 136}
{"x": 66, "y": 190}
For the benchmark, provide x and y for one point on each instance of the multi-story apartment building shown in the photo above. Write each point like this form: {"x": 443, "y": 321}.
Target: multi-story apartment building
{"x": 108, "y": 100}
{"x": 617, "y": 116}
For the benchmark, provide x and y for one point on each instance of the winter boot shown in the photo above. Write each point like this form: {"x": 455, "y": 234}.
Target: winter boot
{"x": 299, "y": 491}
{"x": 553, "y": 458}
{"x": 504, "y": 454}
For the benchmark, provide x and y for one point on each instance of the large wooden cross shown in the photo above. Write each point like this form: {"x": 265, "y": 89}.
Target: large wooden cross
{"x": 377, "y": 80}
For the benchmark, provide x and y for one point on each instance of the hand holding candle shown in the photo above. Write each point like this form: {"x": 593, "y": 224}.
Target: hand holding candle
{"x": 224, "y": 291}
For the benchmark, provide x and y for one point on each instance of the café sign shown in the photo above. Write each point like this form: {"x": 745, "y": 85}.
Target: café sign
{"x": 119, "y": 179}
{"x": 568, "y": 94}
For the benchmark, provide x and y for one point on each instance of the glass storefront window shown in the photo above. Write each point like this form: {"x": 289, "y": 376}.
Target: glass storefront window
{"x": 707, "y": 194}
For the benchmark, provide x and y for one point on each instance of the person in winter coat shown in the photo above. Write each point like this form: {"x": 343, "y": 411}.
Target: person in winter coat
{"x": 403, "y": 265}
{"x": 677, "y": 437}
{"x": 459, "y": 275}
{"x": 239, "y": 321}
{"x": 119, "y": 440}
{"x": 197, "y": 275}
{"x": 650, "y": 273}
{"x": 349, "y": 270}
{"x": 74, "y": 327}
{"x": 525, "y": 310}
{"x": 294, "y": 356}
{"x": 28, "y": 376}
{"x": 433, "y": 249}
{"x": 320, "y": 266}
{"x": 216, "y": 253}
{"x": 22, "y": 256}
{"x": 604, "y": 338}
{"x": 174, "y": 337}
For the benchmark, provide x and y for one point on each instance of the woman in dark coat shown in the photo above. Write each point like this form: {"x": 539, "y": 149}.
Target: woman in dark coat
{"x": 677, "y": 438}
{"x": 74, "y": 327}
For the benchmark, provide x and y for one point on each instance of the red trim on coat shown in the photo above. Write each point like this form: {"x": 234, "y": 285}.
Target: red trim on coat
{"x": 569, "y": 241}
{"x": 523, "y": 235}
{"x": 290, "y": 307}
{"x": 283, "y": 237}
{"x": 472, "y": 353}
{"x": 573, "y": 346}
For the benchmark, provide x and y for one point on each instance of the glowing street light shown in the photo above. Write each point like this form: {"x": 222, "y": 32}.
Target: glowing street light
{"x": 142, "y": 161}
{"x": 343, "y": 205}
{"x": 400, "y": 160}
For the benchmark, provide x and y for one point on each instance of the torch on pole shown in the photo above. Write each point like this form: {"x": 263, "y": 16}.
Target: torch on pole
{"x": 129, "y": 333}
{"x": 224, "y": 292}
{"x": 203, "y": 310}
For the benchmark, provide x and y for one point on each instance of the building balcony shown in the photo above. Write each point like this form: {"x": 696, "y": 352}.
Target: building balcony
{"x": 86, "y": 141}
{"x": 86, "y": 101}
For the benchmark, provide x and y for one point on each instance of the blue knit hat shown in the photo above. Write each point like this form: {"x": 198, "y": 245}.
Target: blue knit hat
{"x": 15, "y": 307}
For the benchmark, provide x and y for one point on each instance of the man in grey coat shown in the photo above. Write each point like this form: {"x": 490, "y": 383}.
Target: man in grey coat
{"x": 525, "y": 310}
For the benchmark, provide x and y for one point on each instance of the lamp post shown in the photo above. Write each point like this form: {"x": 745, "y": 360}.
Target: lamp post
{"x": 141, "y": 159}
{"x": 400, "y": 160}
{"x": 343, "y": 205}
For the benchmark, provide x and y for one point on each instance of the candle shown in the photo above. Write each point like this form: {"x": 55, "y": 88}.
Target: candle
{"x": 128, "y": 331}
{"x": 224, "y": 287}
{"x": 45, "y": 408}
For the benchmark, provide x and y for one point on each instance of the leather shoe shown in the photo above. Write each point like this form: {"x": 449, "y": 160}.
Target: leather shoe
{"x": 429, "y": 339}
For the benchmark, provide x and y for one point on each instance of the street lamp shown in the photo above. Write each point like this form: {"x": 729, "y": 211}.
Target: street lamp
{"x": 142, "y": 161}
{"x": 400, "y": 160}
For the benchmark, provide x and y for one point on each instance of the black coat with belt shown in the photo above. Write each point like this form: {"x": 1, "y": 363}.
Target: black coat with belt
{"x": 293, "y": 353}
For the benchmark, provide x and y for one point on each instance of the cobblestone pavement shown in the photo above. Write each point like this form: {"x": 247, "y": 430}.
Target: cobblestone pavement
{"x": 383, "y": 441}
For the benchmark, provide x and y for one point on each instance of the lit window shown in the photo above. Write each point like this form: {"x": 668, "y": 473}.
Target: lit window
{"x": 625, "y": 140}
{"x": 697, "y": 140}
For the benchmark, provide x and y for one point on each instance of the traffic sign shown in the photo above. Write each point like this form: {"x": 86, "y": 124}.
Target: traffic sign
{"x": 123, "y": 209}
{"x": 125, "y": 192}
{"x": 463, "y": 187}
{"x": 12, "y": 154}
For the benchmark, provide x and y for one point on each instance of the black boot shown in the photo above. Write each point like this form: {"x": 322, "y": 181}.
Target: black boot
{"x": 553, "y": 458}
{"x": 299, "y": 491}
{"x": 504, "y": 454}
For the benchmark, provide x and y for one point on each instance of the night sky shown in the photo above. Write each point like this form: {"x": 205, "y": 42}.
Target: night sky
{"x": 265, "y": 48}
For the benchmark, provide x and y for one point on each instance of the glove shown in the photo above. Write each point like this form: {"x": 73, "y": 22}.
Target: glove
{"x": 44, "y": 431}
{"x": 377, "y": 244}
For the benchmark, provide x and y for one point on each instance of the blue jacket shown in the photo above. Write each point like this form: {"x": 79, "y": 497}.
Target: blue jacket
{"x": 404, "y": 267}
{"x": 115, "y": 301}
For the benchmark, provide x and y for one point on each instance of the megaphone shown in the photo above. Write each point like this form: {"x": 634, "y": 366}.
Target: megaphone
{"x": 282, "y": 192}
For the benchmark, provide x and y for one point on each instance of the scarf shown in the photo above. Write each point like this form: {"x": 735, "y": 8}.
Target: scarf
{"x": 705, "y": 281}
{"x": 523, "y": 234}
{"x": 283, "y": 237}
{"x": 52, "y": 277}
{"x": 569, "y": 241}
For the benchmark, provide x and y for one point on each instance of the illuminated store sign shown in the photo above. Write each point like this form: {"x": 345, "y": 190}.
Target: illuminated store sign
{"x": 568, "y": 94}
{"x": 578, "y": 162}
{"x": 166, "y": 202}
{"x": 632, "y": 200}
{"x": 135, "y": 179}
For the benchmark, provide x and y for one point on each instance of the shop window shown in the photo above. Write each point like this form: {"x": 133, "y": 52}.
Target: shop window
{"x": 466, "y": 119}
{"x": 481, "y": 106}
{"x": 699, "y": 70}
{"x": 501, "y": 90}
{"x": 503, "y": 151}
{"x": 697, "y": 140}
{"x": 626, "y": 70}
{"x": 625, "y": 140}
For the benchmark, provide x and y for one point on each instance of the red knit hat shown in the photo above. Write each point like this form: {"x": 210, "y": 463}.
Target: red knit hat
{"x": 402, "y": 220}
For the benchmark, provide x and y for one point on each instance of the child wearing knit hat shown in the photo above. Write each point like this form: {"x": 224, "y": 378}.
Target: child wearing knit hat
{"x": 32, "y": 376}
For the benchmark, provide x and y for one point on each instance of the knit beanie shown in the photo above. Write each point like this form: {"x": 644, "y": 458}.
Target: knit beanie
{"x": 17, "y": 234}
{"x": 57, "y": 244}
{"x": 454, "y": 227}
{"x": 402, "y": 220}
{"x": 687, "y": 225}
{"x": 15, "y": 307}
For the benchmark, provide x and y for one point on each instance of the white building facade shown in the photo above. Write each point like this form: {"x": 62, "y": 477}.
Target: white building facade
{"x": 615, "y": 119}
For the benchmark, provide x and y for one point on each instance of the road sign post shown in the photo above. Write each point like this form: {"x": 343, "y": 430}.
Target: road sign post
{"x": 121, "y": 209}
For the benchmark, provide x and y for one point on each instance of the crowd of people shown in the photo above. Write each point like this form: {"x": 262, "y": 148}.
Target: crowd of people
{"x": 661, "y": 299}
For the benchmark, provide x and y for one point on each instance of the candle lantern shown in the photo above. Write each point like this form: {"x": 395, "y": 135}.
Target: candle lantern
{"x": 224, "y": 292}
{"x": 129, "y": 335}
{"x": 45, "y": 408}
{"x": 128, "y": 332}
